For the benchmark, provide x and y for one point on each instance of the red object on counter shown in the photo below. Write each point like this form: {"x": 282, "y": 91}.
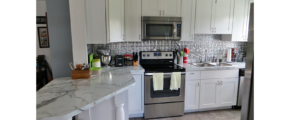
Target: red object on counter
{"x": 186, "y": 50}
{"x": 184, "y": 59}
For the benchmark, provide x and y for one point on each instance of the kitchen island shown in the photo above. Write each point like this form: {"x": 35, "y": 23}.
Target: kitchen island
{"x": 63, "y": 98}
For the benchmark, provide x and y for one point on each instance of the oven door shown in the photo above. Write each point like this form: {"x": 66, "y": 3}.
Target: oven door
{"x": 154, "y": 30}
{"x": 165, "y": 95}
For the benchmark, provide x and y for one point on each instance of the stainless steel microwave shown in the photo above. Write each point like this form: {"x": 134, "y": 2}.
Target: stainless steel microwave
{"x": 161, "y": 28}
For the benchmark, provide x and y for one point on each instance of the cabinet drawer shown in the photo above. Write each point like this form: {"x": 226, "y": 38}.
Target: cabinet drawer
{"x": 192, "y": 75}
{"x": 219, "y": 74}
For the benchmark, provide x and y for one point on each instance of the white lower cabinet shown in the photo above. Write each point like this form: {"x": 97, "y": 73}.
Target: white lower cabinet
{"x": 208, "y": 93}
{"x": 218, "y": 92}
{"x": 191, "y": 94}
{"x": 210, "y": 89}
{"x": 136, "y": 97}
{"x": 228, "y": 89}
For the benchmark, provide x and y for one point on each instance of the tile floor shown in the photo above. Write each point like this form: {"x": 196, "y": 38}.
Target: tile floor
{"x": 229, "y": 114}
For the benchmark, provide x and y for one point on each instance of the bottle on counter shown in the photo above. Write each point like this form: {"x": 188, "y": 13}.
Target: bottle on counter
{"x": 233, "y": 55}
{"x": 185, "y": 54}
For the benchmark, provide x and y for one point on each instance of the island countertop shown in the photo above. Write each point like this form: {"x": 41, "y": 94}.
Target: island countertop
{"x": 64, "y": 98}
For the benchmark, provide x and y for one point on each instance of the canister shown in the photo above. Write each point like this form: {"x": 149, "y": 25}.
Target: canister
{"x": 95, "y": 70}
{"x": 96, "y": 63}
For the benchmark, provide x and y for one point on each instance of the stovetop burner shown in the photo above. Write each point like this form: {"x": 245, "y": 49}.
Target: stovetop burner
{"x": 162, "y": 68}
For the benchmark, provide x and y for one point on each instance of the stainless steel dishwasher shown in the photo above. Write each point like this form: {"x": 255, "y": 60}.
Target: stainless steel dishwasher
{"x": 240, "y": 89}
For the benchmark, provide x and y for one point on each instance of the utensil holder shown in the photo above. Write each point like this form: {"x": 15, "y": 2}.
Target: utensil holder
{"x": 135, "y": 63}
{"x": 80, "y": 74}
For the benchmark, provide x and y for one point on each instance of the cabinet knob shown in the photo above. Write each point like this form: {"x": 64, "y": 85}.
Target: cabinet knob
{"x": 218, "y": 83}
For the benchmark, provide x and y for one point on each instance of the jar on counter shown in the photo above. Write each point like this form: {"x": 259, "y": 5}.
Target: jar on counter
{"x": 128, "y": 59}
{"x": 96, "y": 63}
{"x": 95, "y": 70}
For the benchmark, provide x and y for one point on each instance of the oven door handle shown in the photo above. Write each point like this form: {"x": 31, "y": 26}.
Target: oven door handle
{"x": 182, "y": 73}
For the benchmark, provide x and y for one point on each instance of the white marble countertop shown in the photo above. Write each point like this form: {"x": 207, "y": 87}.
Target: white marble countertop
{"x": 235, "y": 65}
{"x": 64, "y": 98}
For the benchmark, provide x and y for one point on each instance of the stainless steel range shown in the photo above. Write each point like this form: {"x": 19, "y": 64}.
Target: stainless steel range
{"x": 166, "y": 102}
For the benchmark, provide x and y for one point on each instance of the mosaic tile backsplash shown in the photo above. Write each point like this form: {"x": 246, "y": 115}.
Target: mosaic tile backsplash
{"x": 202, "y": 42}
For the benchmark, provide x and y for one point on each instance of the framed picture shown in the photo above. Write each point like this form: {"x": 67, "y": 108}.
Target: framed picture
{"x": 40, "y": 20}
{"x": 43, "y": 37}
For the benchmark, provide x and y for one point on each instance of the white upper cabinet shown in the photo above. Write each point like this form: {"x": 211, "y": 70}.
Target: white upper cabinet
{"x": 188, "y": 20}
{"x": 115, "y": 18}
{"x": 240, "y": 22}
{"x": 151, "y": 7}
{"x": 170, "y": 8}
{"x": 214, "y": 16}
{"x": 96, "y": 21}
{"x": 132, "y": 20}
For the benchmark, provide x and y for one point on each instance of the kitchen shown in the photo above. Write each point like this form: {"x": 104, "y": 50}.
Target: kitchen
{"x": 195, "y": 38}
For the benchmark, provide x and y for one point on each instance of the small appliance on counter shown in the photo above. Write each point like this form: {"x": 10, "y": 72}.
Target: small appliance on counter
{"x": 119, "y": 60}
{"x": 128, "y": 60}
{"x": 106, "y": 59}
{"x": 100, "y": 53}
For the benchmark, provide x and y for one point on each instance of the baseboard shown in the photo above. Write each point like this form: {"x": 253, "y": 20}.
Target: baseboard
{"x": 207, "y": 109}
{"x": 136, "y": 115}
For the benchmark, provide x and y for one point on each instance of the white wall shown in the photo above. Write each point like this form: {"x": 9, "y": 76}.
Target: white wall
{"x": 40, "y": 11}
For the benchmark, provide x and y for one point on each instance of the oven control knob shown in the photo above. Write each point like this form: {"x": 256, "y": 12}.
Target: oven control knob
{"x": 166, "y": 55}
{"x": 148, "y": 55}
{"x": 144, "y": 55}
{"x": 170, "y": 54}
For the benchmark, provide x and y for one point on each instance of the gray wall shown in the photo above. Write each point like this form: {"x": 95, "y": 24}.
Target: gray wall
{"x": 58, "y": 18}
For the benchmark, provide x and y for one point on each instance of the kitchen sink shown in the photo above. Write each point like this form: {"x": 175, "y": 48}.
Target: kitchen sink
{"x": 210, "y": 64}
{"x": 203, "y": 65}
{"x": 221, "y": 64}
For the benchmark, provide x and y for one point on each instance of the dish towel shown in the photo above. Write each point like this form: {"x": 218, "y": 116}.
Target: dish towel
{"x": 175, "y": 80}
{"x": 157, "y": 81}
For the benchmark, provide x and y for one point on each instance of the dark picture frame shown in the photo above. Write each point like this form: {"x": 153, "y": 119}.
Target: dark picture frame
{"x": 40, "y": 19}
{"x": 43, "y": 37}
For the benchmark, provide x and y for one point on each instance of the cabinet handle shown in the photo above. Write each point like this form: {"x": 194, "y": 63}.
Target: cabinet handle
{"x": 197, "y": 84}
{"x": 221, "y": 82}
{"x": 163, "y": 12}
{"x": 191, "y": 73}
{"x": 159, "y": 12}
{"x": 215, "y": 1}
{"x": 192, "y": 37}
{"x": 123, "y": 37}
{"x": 139, "y": 37}
{"x": 218, "y": 83}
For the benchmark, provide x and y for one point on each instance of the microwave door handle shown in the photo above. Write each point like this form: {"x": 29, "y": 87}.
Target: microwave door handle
{"x": 174, "y": 30}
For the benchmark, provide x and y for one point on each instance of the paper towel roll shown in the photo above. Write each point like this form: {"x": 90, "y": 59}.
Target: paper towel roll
{"x": 229, "y": 55}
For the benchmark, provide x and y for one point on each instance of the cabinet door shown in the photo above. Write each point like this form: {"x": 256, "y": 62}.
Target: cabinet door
{"x": 240, "y": 20}
{"x": 191, "y": 94}
{"x": 96, "y": 21}
{"x": 132, "y": 20}
{"x": 188, "y": 19}
{"x": 151, "y": 7}
{"x": 227, "y": 92}
{"x": 203, "y": 20}
{"x": 208, "y": 93}
{"x": 171, "y": 8}
{"x": 116, "y": 20}
{"x": 223, "y": 16}
{"x": 135, "y": 96}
